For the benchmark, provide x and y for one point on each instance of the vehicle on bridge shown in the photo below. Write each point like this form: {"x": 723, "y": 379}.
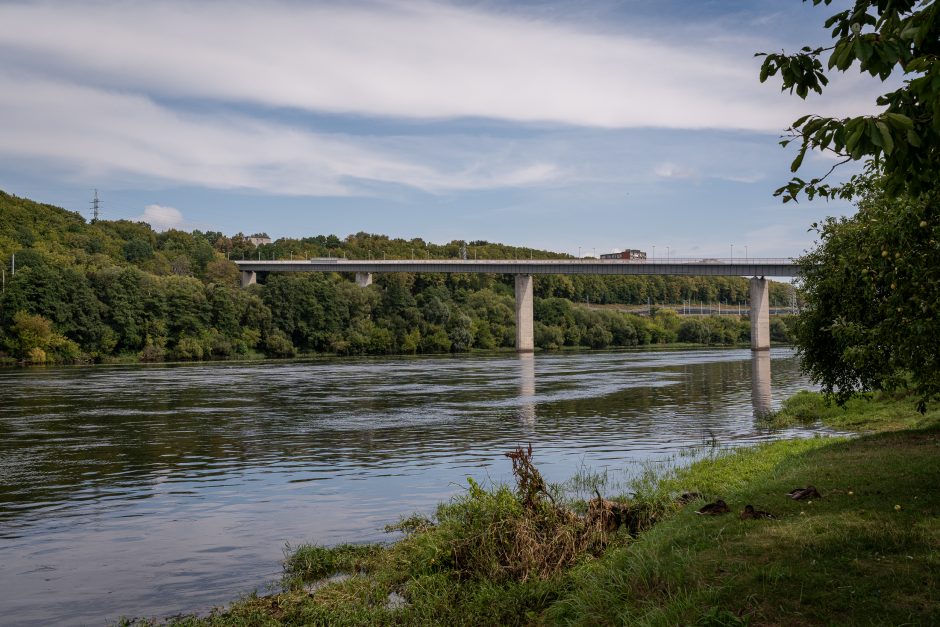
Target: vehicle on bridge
{"x": 632, "y": 254}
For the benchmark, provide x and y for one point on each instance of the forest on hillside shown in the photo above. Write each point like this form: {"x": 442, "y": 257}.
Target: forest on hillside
{"x": 93, "y": 291}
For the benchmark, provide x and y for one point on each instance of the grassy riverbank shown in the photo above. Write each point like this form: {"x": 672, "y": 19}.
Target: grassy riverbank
{"x": 867, "y": 552}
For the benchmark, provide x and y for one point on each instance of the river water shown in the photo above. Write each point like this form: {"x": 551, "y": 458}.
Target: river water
{"x": 153, "y": 490}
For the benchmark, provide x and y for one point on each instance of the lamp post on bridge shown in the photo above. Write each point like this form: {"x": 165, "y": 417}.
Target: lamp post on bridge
{"x": 732, "y": 253}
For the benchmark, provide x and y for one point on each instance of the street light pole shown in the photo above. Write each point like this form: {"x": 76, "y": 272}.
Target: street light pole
{"x": 732, "y": 253}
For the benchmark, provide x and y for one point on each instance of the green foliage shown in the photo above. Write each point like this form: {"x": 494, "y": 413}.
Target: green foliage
{"x": 903, "y": 142}
{"x": 32, "y": 339}
{"x": 872, "y": 285}
{"x": 695, "y": 331}
{"x": 117, "y": 288}
{"x": 277, "y": 343}
{"x": 311, "y": 562}
{"x": 137, "y": 250}
{"x": 882, "y": 412}
{"x": 872, "y": 290}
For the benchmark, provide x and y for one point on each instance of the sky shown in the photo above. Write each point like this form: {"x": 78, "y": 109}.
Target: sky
{"x": 591, "y": 125}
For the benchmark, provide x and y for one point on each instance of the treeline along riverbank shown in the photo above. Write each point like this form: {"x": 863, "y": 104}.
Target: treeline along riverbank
{"x": 118, "y": 289}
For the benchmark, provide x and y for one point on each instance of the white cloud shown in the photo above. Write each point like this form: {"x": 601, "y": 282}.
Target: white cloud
{"x": 406, "y": 59}
{"x": 196, "y": 93}
{"x": 668, "y": 170}
{"x": 162, "y": 218}
{"x": 99, "y": 134}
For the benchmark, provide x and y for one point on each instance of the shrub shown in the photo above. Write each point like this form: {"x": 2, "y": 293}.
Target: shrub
{"x": 188, "y": 348}
{"x": 694, "y": 331}
{"x": 549, "y": 336}
{"x": 151, "y": 353}
{"x": 36, "y": 356}
{"x": 277, "y": 344}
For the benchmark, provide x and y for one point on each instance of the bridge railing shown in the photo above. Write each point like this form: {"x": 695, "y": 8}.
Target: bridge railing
{"x": 437, "y": 260}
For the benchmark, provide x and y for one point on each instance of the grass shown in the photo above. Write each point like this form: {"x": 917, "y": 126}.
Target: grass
{"x": 882, "y": 412}
{"x": 866, "y": 553}
{"x": 851, "y": 557}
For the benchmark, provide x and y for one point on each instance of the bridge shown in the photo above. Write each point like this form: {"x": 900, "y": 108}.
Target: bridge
{"x": 525, "y": 269}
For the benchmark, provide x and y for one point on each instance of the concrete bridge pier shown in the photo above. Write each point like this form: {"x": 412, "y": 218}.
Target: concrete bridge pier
{"x": 760, "y": 314}
{"x": 363, "y": 279}
{"x": 525, "y": 326}
{"x": 249, "y": 278}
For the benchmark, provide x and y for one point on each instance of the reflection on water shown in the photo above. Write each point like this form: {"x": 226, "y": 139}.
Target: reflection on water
{"x": 527, "y": 389}
{"x": 760, "y": 383}
{"x": 154, "y": 490}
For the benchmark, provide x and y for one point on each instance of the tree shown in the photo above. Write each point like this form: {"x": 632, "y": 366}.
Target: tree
{"x": 137, "y": 250}
{"x": 872, "y": 314}
{"x": 902, "y": 143}
{"x": 872, "y": 286}
{"x": 62, "y": 295}
{"x": 33, "y": 339}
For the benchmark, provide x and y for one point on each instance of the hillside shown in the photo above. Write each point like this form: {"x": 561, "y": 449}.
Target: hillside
{"x": 95, "y": 291}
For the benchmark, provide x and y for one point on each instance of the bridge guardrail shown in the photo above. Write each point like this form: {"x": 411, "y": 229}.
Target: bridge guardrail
{"x": 438, "y": 260}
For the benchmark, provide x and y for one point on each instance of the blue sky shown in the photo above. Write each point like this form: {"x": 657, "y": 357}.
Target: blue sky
{"x": 592, "y": 124}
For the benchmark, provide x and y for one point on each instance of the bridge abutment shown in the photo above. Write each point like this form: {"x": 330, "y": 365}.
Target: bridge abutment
{"x": 525, "y": 325}
{"x": 249, "y": 278}
{"x": 363, "y": 279}
{"x": 760, "y": 314}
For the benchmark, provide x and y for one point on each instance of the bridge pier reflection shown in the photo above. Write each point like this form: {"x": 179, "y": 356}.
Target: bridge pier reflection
{"x": 760, "y": 382}
{"x": 526, "y": 410}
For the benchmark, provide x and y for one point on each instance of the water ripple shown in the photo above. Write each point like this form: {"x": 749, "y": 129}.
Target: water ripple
{"x": 157, "y": 489}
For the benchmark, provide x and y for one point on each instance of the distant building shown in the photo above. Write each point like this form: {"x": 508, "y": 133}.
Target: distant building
{"x": 626, "y": 254}
{"x": 259, "y": 239}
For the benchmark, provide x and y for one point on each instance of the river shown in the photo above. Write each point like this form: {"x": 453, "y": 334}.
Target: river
{"x": 154, "y": 490}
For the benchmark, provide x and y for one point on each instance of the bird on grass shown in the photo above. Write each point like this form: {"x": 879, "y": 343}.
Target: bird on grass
{"x": 687, "y": 497}
{"x": 800, "y": 494}
{"x": 713, "y": 509}
{"x": 750, "y": 513}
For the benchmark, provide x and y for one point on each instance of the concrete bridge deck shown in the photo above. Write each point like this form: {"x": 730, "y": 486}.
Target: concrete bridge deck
{"x": 778, "y": 267}
{"x": 525, "y": 269}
